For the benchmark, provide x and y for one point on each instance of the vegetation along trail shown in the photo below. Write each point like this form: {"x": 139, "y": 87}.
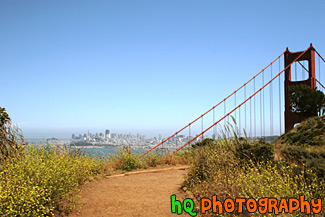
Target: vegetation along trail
{"x": 138, "y": 193}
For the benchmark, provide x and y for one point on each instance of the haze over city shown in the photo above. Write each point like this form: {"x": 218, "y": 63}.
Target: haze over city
{"x": 146, "y": 67}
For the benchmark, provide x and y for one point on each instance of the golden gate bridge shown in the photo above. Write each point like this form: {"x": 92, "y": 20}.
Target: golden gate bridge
{"x": 260, "y": 107}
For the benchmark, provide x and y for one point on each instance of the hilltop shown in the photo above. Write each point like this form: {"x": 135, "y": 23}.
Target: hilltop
{"x": 310, "y": 132}
{"x": 304, "y": 145}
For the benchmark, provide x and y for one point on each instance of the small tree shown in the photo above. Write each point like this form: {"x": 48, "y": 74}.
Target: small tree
{"x": 4, "y": 117}
{"x": 11, "y": 138}
{"x": 307, "y": 101}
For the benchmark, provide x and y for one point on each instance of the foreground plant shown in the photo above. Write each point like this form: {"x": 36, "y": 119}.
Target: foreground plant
{"x": 11, "y": 138}
{"x": 44, "y": 181}
{"x": 234, "y": 167}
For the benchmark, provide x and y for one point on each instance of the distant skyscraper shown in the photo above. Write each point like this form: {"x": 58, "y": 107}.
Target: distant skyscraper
{"x": 73, "y": 136}
{"x": 107, "y": 132}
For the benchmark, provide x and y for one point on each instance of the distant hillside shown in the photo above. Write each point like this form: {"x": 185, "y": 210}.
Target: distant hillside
{"x": 304, "y": 145}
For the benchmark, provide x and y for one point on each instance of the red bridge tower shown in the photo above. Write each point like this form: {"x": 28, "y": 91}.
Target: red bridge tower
{"x": 290, "y": 117}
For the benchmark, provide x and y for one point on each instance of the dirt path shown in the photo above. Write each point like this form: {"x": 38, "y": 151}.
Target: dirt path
{"x": 136, "y": 194}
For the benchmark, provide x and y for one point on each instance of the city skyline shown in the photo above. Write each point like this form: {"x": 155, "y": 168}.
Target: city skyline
{"x": 66, "y": 134}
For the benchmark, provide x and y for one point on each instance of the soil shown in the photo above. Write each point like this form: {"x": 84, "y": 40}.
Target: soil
{"x": 134, "y": 194}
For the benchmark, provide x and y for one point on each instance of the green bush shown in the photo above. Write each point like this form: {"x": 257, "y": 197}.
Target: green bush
{"x": 151, "y": 159}
{"x": 4, "y": 117}
{"x": 204, "y": 142}
{"x": 254, "y": 151}
{"x": 44, "y": 181}
{"x": 126, "y": 160}
{"x": 278, "y": 181}
{"x": 301, "y": 156}
{"x": 11, "y": 138}
{"x": 209, "y": 164}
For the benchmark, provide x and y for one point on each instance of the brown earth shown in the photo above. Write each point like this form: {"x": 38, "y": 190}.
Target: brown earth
{"x": 139, "y": 193}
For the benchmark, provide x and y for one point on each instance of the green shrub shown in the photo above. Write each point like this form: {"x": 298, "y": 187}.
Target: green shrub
{"x": 301, "y": 156}
{"x": 254, "y": 151}
{"x": 318, "y": 166}
{"x": 296, "y": 154}
{"x": 209, "y": 164}
{"x": 126, "y": 160}
{"x": 277, "y": 181}
{"x": 182, "y": 157}
{"x": 11, "y": 138}
{"x": 204, "y": 142}
{"x": 151, "y": 159}
{"x": 43, "y": 181}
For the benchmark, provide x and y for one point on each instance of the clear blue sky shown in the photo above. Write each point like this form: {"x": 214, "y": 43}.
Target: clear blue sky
{"x": 148, "y": 66}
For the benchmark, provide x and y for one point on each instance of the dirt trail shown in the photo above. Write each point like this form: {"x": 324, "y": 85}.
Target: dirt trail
{"x": 136, "y": 194}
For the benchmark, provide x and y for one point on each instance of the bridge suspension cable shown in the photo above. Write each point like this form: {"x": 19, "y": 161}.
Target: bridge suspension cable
{"x": 212, "y": 107}
{"x": 262, "y": 88}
